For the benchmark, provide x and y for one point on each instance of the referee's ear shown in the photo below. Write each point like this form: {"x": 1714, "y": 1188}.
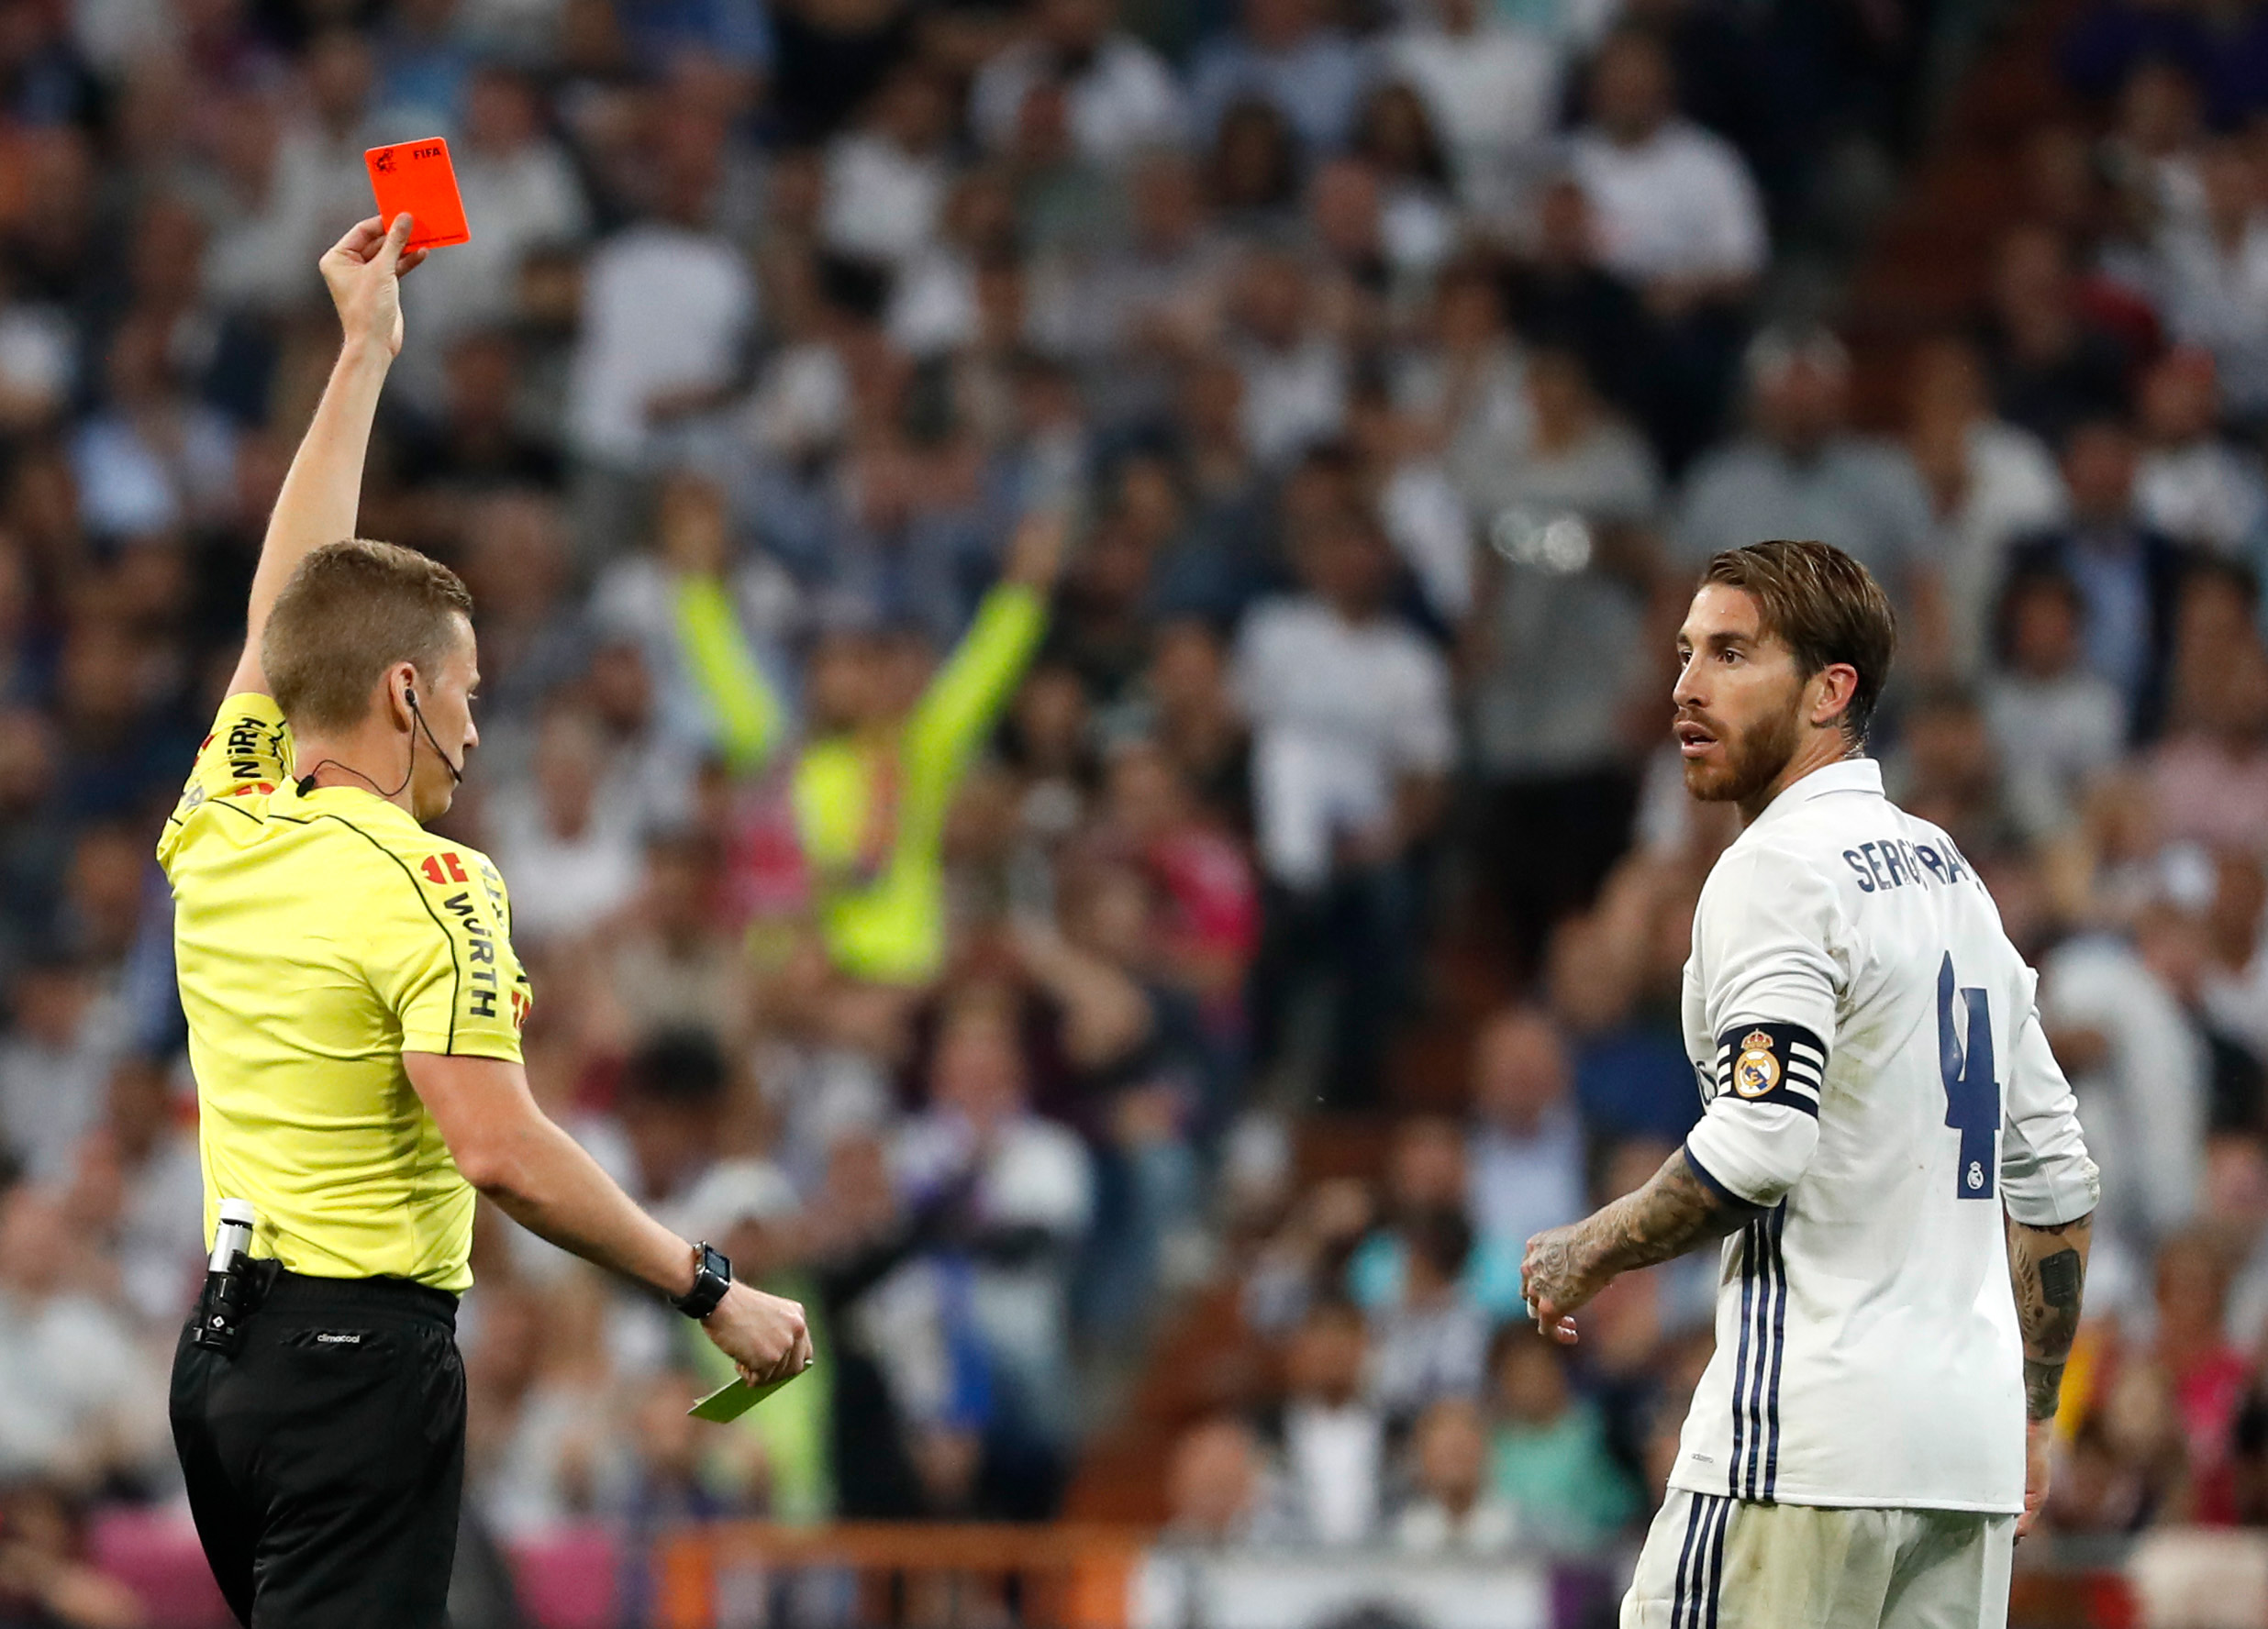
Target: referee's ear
{"x": 401, "y": 683}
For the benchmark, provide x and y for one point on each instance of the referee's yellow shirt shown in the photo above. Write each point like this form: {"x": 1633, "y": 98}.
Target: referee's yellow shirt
{"x": 319, "y": 937}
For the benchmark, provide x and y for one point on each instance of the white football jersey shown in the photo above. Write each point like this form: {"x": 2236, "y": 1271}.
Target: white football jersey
{"x": 1876, "y": 1082}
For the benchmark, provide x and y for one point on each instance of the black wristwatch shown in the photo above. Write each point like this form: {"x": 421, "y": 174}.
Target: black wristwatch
{"x": 712, "y": 1276}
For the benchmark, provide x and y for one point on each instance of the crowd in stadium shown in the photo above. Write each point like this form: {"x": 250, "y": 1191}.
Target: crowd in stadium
{"x": 957, "y": 911}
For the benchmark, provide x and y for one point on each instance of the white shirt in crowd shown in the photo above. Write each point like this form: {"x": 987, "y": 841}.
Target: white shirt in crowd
{"x": 1293, "y": 398}
{"x": 2146, "y": 1101}
{"x": 2054, "y": 737}
{"x": 665, "y": 308}
{"x": 1878, "y": 1082}
{"x": 523, "y": 199}
{"x": 2218, "y": 297}
{"x": 1123, "y": 101}
{"x": 2207, "y": 492}
{"x": 1431, "y": 1528}
{"x": 1342, "y": 711}
{"x": 1679, "y": 203}
{"x": 1332, "y": 1461}
{"x": 882, "y": 202}
{"x": 1493, "y": 94}
{"x": 2012, "y": 488}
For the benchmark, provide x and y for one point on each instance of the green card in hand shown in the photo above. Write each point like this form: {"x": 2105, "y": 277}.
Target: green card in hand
{"x": 733, "y": 1399}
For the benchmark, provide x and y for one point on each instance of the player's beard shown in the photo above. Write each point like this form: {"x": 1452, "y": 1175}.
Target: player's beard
{"x": 1754, "y": 757}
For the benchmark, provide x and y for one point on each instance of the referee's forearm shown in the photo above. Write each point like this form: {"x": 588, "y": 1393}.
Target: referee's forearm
{"x": 541, "y": 1178}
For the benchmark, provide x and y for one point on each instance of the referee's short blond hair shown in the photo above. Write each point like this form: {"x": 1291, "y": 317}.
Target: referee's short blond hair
{"x": 350, "y": 612}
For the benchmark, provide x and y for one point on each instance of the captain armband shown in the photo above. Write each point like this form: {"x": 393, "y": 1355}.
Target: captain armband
{"x": 1771, "y": 1063}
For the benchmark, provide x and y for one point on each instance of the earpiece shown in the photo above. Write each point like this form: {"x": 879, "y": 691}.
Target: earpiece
{"x": 409, "y": 697}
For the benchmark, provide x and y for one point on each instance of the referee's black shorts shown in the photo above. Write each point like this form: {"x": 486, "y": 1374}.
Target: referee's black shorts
{"x": 326, "y": 1458}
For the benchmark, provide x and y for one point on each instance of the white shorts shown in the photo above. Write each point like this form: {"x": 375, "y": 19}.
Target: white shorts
{"x": 1712, "y": 1562}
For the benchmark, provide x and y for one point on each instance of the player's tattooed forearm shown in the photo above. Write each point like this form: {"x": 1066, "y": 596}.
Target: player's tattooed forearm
{"x": 2044, "y": 1389}
{"x": 2047, "y": 1269}
{"x": 1672, "y": 1213}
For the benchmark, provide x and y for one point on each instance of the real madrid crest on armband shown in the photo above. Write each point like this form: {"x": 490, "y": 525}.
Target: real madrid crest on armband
{"x": 1756, "y": 1071}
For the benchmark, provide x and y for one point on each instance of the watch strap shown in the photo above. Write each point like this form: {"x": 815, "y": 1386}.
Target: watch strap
{"x": 712, "y": 1276}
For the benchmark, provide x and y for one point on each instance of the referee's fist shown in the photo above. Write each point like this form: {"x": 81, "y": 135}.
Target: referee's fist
{"x": 765, "y": 1335}
{"x": 363, "y": 272}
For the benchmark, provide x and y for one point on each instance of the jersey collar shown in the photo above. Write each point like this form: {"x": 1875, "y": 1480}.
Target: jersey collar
{"x": 1850, "y": 774}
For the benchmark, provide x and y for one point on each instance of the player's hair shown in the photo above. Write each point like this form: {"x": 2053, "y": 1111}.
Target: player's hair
{"x": 350, "y": 612}
{"x": 1825, "y": 607}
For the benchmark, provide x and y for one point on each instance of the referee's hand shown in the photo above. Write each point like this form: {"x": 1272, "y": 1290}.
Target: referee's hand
{"x": 363, "y": 272}
{"x": 765, "y": 1335}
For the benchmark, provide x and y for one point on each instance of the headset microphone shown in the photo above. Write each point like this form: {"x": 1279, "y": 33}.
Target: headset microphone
{"x": 410, "y": 696}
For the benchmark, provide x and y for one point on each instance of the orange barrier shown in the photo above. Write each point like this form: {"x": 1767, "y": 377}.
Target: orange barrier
{"x": 1067, "y": 1576}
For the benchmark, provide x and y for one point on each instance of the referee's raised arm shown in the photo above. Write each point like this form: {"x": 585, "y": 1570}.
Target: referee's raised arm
{"x": 323, "y": 488}
{"x": 354, "y": 1006}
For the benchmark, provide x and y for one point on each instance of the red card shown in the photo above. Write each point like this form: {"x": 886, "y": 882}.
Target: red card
{"x": 416, "y": 177}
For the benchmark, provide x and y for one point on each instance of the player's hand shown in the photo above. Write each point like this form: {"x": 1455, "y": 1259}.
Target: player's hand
{"x": 765, "y": 1334}
{"x": 1557, "y": 1280}
{"x": 363, "y": 272}
{"x": 2038, "y": 1443}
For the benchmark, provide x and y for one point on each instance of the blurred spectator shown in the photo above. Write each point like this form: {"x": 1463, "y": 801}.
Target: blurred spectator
{"x": 1567, "y": 560}
{"x": 54, "y": 1060}
{"x": 886, "y": 178}
{"x": 1216, "y": 1486}
{"x": 1989, "y": 483}
{"x": 1526, "y": 1149}
{"x": 874, "y": 783}
{"x": 81, "y": 1400}
{"x": 1678, "y": 211}
{"x": 1492, "y": 91}
{"x": 667, "y": 306}
{"x": 2119, "y": 1017}
{"x": 676, "y": 964}
{"x": 1946, "y": 772}
{"x": 2208, "y": 1374}
{"x": 45, "y": 1577}
{"x": 574, "y": 854}
{"x": 2212, "y": 275}
{"x": 1286, "y": 54}
{"x": 2056, "y": 725}
{"x": 137, "y": 1188}
{"x": 158, "y": 460}
{"x": 1429, "y": 1342}
{"x": 1351, "y": 736}
{"x": 2210, "y": 772}
{"x": 521, "y": 188}
{"x": 2128, "y": 576}
{"x": 2052, "y": 366}
{"x": 1801, "y": 474}
{"x": 2191, "y": 485}
{"x": 1122, "y": 100}
{"x": 1455, "y": 1511}
{"x": 1293, "y": 371}
{"x": 1564, "y": 297}
{"x": 1331, "y": 1443}
{"x": 1024, "y": 1188}
{"x": 1551, "y": 1464}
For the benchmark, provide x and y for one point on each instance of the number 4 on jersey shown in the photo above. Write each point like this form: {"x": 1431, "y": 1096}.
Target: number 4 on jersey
{"x": 1972, "y": 1094}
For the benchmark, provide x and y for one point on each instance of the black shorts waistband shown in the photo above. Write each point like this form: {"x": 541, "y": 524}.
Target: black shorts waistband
{"x": 401, "y": 1298}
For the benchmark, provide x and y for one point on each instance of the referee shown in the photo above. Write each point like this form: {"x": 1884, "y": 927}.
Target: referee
{"x": 354, "y": 1009}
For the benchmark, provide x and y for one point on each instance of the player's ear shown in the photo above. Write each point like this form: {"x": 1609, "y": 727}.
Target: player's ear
{"x": 1833, "y": 687}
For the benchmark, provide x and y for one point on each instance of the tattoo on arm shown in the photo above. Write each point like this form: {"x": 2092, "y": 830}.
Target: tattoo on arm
{"x": 2047, "y": 1269}
{"x": 1672, "y": 1213}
